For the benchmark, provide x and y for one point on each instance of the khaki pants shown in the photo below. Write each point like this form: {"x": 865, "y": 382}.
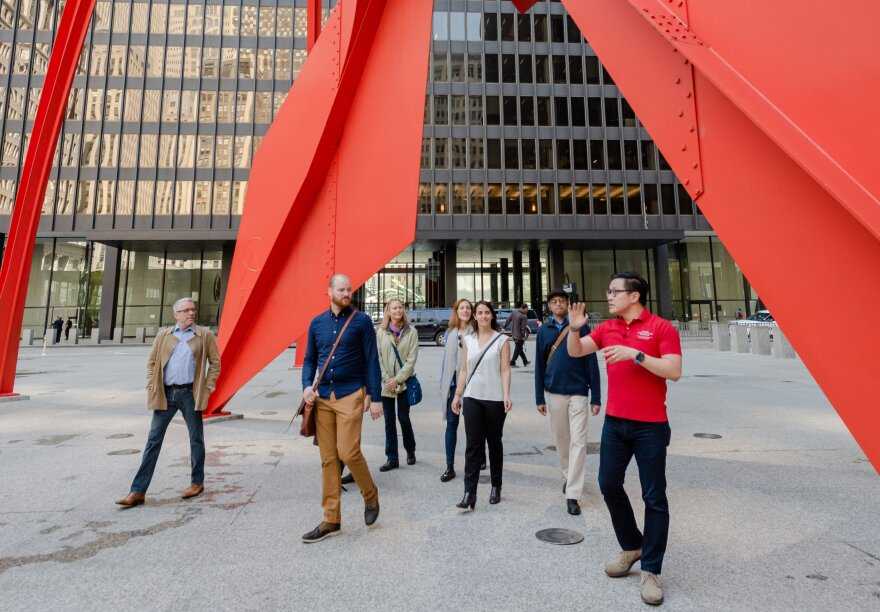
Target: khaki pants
{"x": 568, "y": 422}
{"x": 338, "y": 428}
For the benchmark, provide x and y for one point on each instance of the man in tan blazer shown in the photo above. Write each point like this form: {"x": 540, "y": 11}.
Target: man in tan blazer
{"x": 177, "y": 380}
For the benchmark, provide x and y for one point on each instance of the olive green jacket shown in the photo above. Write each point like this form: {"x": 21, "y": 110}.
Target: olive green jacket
{"x": 408, "y": 347}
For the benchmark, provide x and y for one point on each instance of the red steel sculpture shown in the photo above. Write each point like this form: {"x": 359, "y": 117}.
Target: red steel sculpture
{"x": 765, "y": 110}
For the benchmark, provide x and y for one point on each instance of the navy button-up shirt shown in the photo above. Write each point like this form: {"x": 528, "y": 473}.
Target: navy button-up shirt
{"x": 355, "y": 363}
{"x": 564, "y": 374}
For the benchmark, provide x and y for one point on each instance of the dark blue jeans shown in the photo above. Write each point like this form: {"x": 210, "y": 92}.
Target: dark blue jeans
{"x": 452, "y": 421}
{"x": 409, "y": 438}
{"x": 621, "y": 439}
{"x": 178, "y": 399}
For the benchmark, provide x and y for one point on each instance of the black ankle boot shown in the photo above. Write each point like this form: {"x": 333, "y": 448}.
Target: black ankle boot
{"x": 468, "y": 501}
{"x": 495, "y": 495}
{"x": 448, "y": 475}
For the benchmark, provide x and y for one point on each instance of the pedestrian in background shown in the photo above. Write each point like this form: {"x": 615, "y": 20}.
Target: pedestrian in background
{"x": 398, "y": 351}
{"x": 518, "y": 324}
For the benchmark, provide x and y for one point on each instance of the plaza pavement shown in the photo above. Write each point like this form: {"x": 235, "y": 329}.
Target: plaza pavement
{"x": 780, "y": 513}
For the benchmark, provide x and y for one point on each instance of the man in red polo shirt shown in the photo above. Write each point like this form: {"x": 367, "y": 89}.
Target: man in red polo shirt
{"x": 642, "y": 351}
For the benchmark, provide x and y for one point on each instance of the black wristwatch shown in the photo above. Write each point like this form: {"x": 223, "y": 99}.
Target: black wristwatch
{"x": 639, "y": 358}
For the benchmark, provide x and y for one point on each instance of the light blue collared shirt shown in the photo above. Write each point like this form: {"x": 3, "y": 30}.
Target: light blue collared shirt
{"x": 181, "y": 366}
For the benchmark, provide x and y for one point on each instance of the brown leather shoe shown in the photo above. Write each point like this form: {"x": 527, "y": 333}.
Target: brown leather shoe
{"x": 131, "y": 500}
{"x": 193, "y": 491}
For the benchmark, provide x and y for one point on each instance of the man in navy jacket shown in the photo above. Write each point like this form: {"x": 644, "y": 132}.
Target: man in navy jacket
{"x": 562, "y": 384}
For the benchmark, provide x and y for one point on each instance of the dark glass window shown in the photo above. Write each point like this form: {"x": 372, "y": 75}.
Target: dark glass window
{"x": 664, "y": 165}
{"x": 525, "y": 69}
{"x": 652, "y": 206}
{"x": 511, "y": 154}
{"x": 557, "y": 28}
{"x": 459, "y": 110}
{"x": 561, "y": 108}
{"x": 574, "y": 33}
{"x": 581, "y": 157}
{"x": 459, "y": 152}
{"x": 475, "y": 68}
{"x": 490, "y": 26}
{"x": 457, "y": 68}
{"x": 493, "y": 110}
{"x": 685, "y": 203}
{"x": 594, "y": 111}
{"x": 508, "y": 68}
{"x": 491, "y": 68}
{"x": 544, "y": 111}
{"x": 591, "y": 64}
{"x": 560, "y": 64}
{"x": 540, "y": 28}
{"x": 478, "y": 161}
{"x": 614, "y": 161}
{"x": 578, "y": 112}
{"x": 530, "y": 198}
{"x": 582, "y": 199}
{"x": 440, "y": 155}
{"x": 441, "y": 110}
{"x": 524, "y": 27}
{"x": 629, "y": 116}
{"x": 441, "y": 66}
{"x": 507, "y": 26}
{"x": 648, "y": 162}
{"x": 667, "y": 196}
{"x": 563, "y": 155}
{"x": 493, "y": 154}
{"x": 478, "y": 199}
{"x": 510, "y": 110}
{"x": 475, "y": 103}
{"x": 606, "y": 77}
{"x": 493, "y": 193}
{"x": 597, "y": 155}
{"x": 612, "y": 117}
{"x": 529, "y": 159}
{"x": 546, "y": 153}
{"x": 618, "y": 206}
{"x": 575, "y": 70}
{"x": 600, "y": 200}
{"x": 630, "y": 155}
{"x": 527, "y": 110}
{"x": 542, "y": 69}
{"x": 548, "y": 205}
{"x": 564, "y": 194}
{"x": 512, "y": 200}
{"x": 634, "y": 200}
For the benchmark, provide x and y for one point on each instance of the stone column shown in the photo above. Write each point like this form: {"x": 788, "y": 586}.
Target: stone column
{"x": 760, "y": 340}
{"x": 662, "y": 286}
{"x": 740, "y": 339}
{"x": 557, "y": 265}
{"x": 450, "y": 272}
{"x": 720, "y": 336}
{"x": 535, "y": 279}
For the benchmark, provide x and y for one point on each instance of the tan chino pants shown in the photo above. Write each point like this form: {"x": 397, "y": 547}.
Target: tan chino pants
{"x": 338, "y": 428}
{"x": 568, "y": 422}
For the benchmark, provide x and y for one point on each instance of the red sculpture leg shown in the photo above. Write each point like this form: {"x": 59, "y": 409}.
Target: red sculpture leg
{"x": 334, "y": 183}
{"x": 15, "y": 272}
{"x": 792, "y": 195}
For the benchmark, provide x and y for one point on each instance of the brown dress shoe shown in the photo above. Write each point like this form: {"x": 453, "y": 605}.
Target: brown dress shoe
{"x": 131, "y": 500}
{"x": 192, "y": 491}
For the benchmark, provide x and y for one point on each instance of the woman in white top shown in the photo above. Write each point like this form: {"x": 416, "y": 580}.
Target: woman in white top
{"x": 483, "y": 393}
{"x": 461, "y": 324}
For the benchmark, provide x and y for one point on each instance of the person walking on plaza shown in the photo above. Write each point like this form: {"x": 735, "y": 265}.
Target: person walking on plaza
{"x": 518, "y": 324}
{"x": 351, "y": 386}
{"x": 67, "y": 325}
{"x": 460, "y": 325}
{"x": 177, "y": 379}
{"x": 58, "y": 326}
{"x": 562, "y": 384}
{"x": 398, "y": 350}
{"x": 642, "y": 351}
{"x": 483, "y": 393}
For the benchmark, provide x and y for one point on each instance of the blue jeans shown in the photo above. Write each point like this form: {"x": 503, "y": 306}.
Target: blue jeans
{"x": 621, "y": 439}
{"x": 409, "y": 438}
{"x": 452, "y": 420}
{"x": 178, "y": 399}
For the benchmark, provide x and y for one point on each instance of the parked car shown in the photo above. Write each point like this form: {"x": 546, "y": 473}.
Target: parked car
{"x": 431, "y": 323}
{"x": 762, "y": 318}
{"x": 534, "y": 321}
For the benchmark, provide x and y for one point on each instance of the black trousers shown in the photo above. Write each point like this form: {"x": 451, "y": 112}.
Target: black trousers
{"x": 518, "y": 352}
{"x": 483, "y": 424}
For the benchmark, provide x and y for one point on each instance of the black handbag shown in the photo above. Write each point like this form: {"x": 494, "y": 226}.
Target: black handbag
{"x": 413, "y": 386}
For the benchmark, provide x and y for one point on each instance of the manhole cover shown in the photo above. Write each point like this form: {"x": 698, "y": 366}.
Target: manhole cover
{"x": 485, "y": 479}
{"x": 268, "y": 412}
{"x": 707, "y": 436}
{"x": 560, "y": 536}
{"x": 119, "y": 436}
{"x": 125, "y": 451}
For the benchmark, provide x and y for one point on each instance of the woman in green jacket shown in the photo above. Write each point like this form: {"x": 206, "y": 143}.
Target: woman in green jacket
{"x": 398, "y": 365}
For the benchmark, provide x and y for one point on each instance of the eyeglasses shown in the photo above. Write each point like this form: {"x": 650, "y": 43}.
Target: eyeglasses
{"x": 614, "y": 292}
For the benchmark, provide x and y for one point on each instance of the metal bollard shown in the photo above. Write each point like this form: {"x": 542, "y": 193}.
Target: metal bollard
{"x": 117, "y": 335}
{"x": 140, "y": 334}
{"x": 27, "y": 336}
{"x": 96, "y": 337}
{"x": 740, "y": 339}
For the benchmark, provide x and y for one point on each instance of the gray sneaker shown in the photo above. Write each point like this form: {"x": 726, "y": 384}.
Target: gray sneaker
{"x": 620, "y": 566}
{"x": 652, "y": 589}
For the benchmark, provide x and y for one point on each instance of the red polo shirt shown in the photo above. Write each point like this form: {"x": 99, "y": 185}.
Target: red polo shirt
{"x": 633, "y": 392}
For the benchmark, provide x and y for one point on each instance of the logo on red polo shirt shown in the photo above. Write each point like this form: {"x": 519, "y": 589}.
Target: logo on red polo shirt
{"x": 644, "y": 334}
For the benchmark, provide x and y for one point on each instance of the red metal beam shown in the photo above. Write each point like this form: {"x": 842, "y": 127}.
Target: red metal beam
{"x": 314, "y": 23}
{"x": 15, "y": 271}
